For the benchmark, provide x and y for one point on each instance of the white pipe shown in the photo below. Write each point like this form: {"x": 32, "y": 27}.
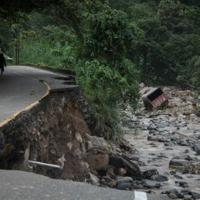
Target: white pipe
{"x": 44, "y": 164}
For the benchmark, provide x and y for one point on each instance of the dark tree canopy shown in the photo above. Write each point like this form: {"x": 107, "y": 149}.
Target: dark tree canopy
{"x": 110, "y": 44}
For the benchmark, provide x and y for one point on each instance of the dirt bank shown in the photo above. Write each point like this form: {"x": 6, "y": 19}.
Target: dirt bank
{"x": 55, "y": 128}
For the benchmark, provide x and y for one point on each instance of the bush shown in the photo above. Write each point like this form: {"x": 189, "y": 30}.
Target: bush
{"x": 55, "y": 50}
{"x": 106, "y": 89}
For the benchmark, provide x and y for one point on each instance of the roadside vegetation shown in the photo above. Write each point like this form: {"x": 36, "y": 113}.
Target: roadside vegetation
{"x": 110, "y": 45}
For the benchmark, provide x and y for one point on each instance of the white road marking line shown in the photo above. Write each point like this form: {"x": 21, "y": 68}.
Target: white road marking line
{"x": 140, "y": 196}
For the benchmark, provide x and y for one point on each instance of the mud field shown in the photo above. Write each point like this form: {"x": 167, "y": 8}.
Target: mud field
{"x": 167, "y": 145}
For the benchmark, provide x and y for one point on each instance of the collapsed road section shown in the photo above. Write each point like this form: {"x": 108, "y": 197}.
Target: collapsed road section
{"x": 53, "y": 138}
{"x": 40, "y": 130}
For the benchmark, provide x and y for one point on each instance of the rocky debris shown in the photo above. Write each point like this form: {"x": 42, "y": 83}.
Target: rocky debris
{"x": 182, "y": 194}
{"x": 6, "y": 151}
{"x": 187, "y": 165}
{"x": 148, "y": 174}
{"x": 94, "y": 180}
{"x": 108, "y": 181}
{"x": 160, "y": 178}
{"x": 124, "y": 183}
{"x": 166, "y": 142}
{"x": 174, "y": 194}
{"x": 97, "y": 142}
{"x": 153, "y": 174}
{"x": 97, "y": 159}
{"x": 196, "y": 148}
{"x": 130, "y": 168}
{"x": 182, "y": 184}
{"x": 195, "y": 195}
{"x": 126, "y": 147}
{"x": 178, "y": 165}
{"x": 151, "y": 184}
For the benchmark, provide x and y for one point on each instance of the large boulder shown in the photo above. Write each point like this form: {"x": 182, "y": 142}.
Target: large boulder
{"x": 97, "y": 153}
{"x": 97, "y": 159}
{"x": 132, "y": 169}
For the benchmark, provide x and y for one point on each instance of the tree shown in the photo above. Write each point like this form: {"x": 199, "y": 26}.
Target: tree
{"x": 109, "y": 37}
{"x": 173, "y": 15}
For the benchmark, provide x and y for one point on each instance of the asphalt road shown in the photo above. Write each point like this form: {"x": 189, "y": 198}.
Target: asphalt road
{"x": 16, "y": 185}
{"x": 21, "y": 86}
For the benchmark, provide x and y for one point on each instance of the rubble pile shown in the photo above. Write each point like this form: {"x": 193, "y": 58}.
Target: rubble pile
{"x": 167, "y": 143}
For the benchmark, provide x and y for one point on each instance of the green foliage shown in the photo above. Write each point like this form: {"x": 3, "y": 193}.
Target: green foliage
{"x": 106, "y": 89}
{"x": 48, "y": 48}
{"x": 195, "y": 72}
{"x": 109, "y": 36}
{"x": 173, "y": 15}
{"x": 188, "y": 69}
{"x": 109, "y": 44}
{"x": 140, "y": 11}
{"x": 171, "y": 40}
